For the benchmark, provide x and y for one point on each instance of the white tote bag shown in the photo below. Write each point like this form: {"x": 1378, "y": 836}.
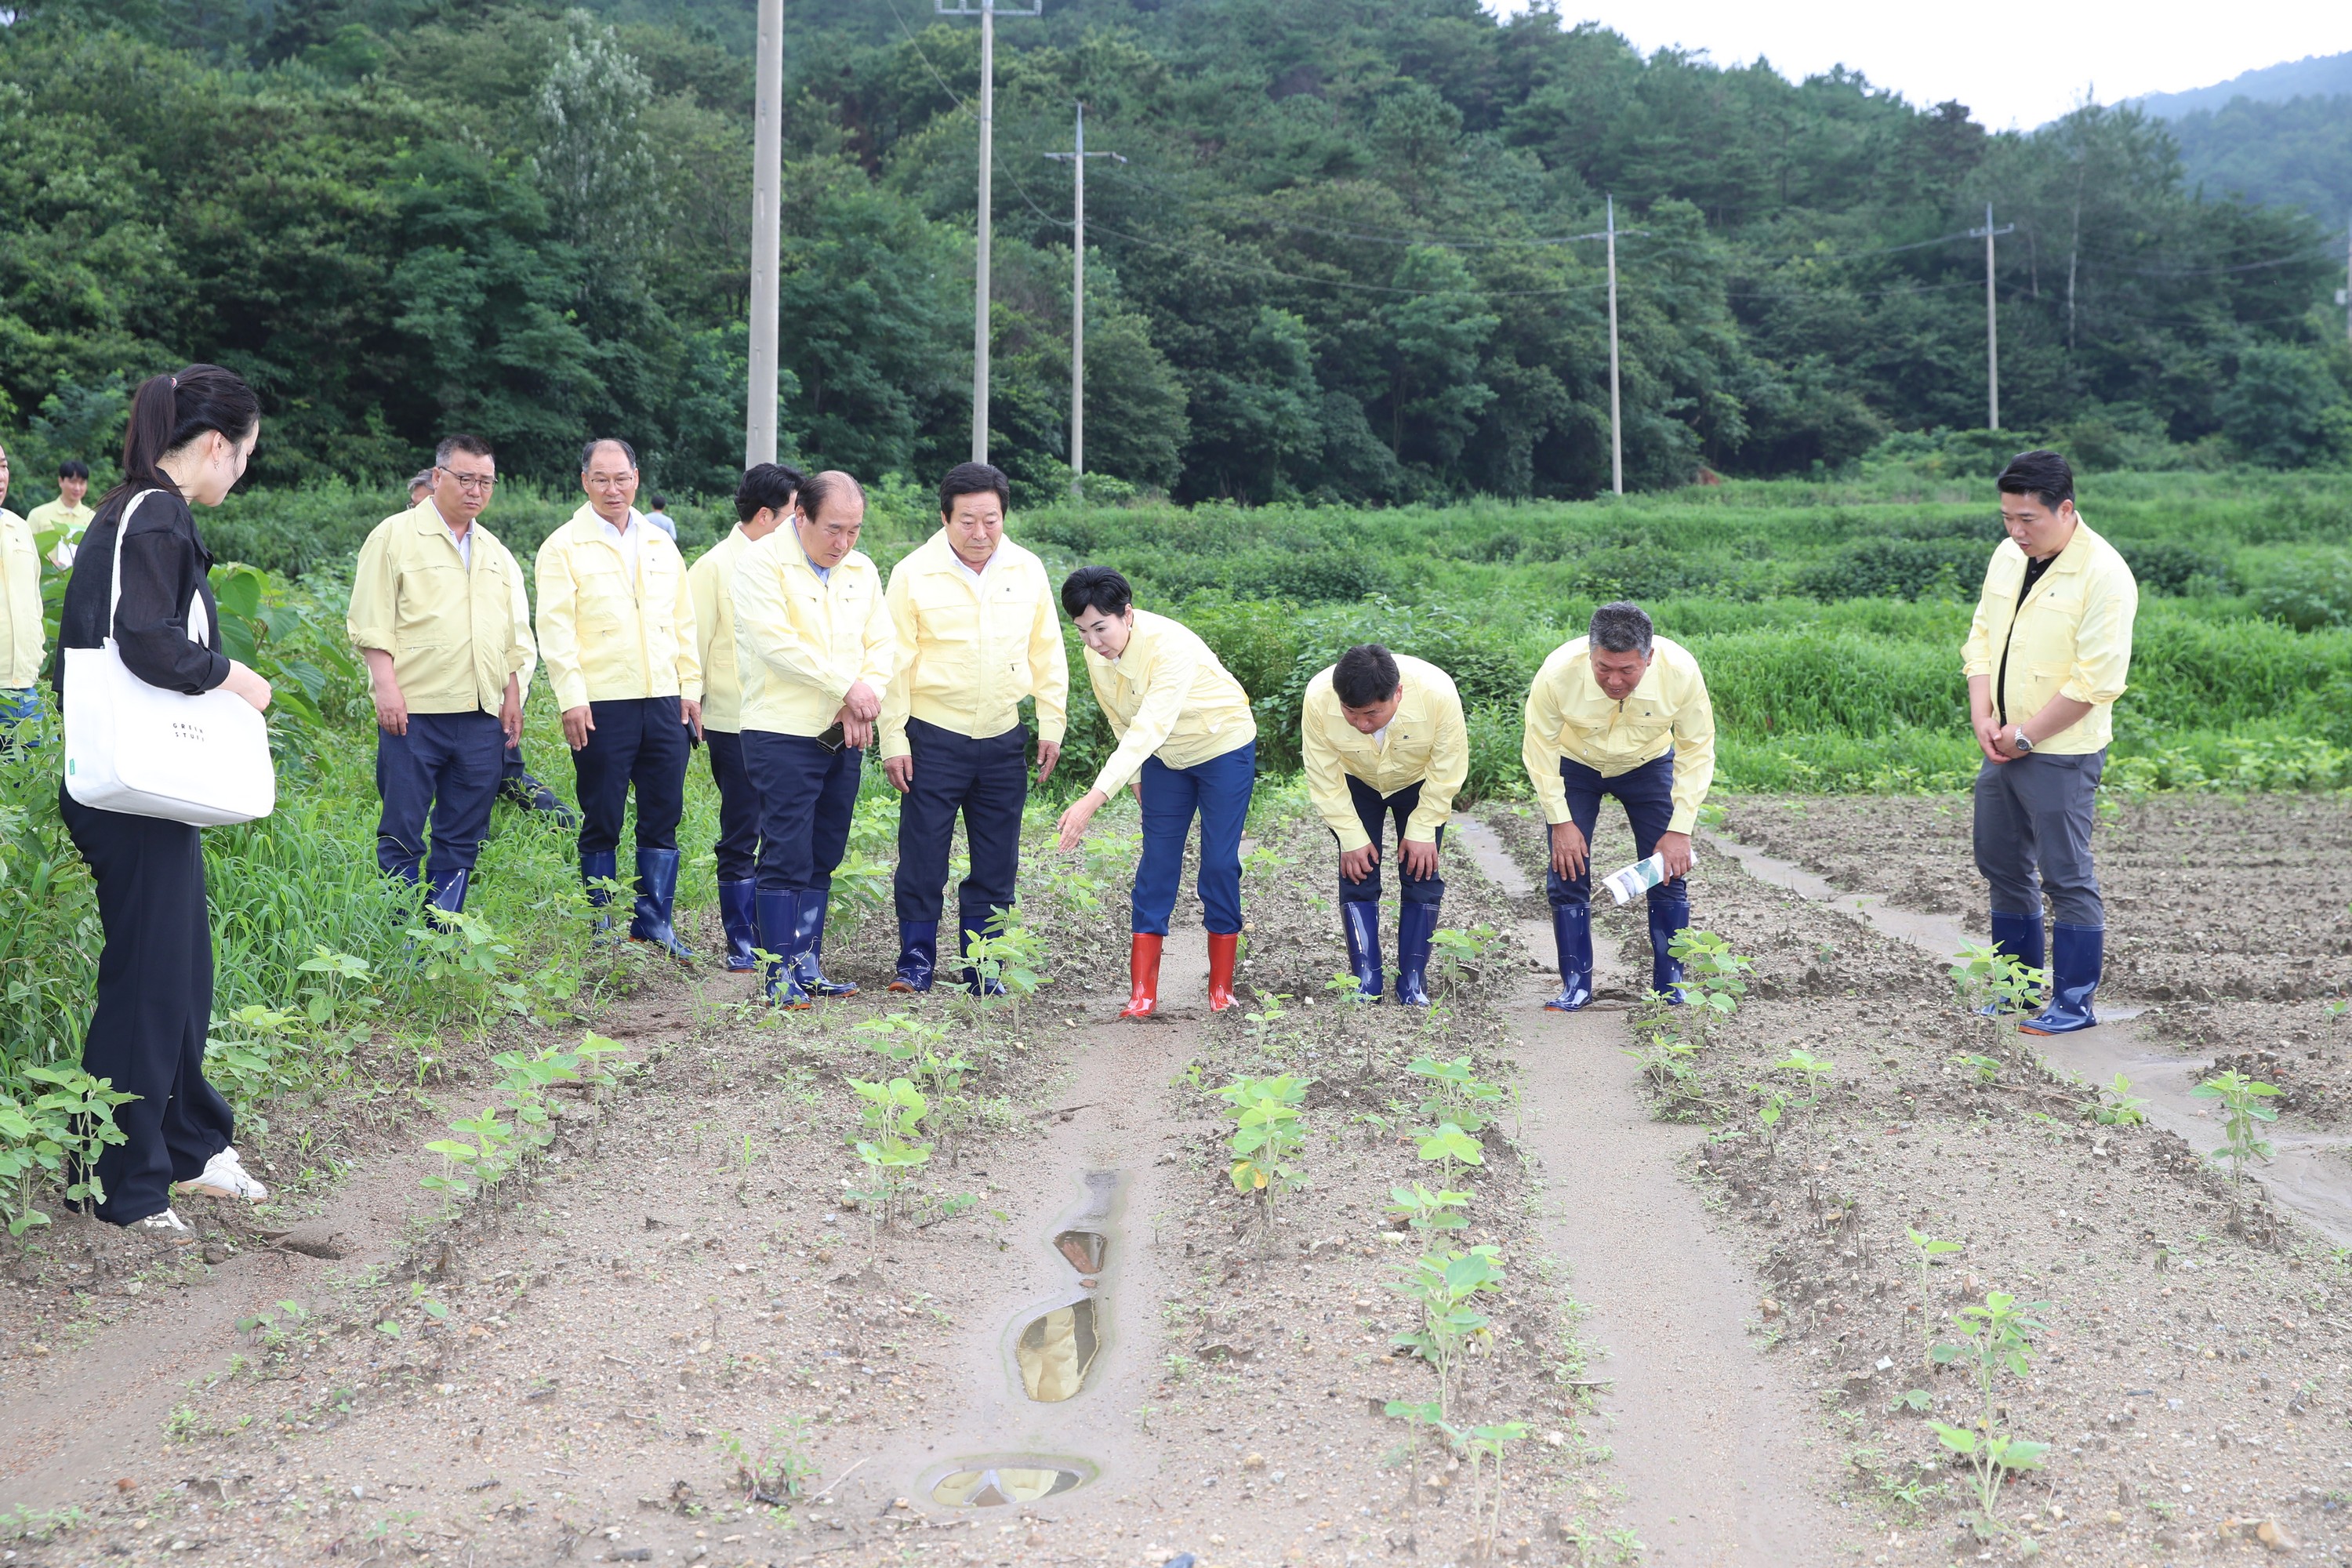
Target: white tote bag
{"x": 146, "y": 751}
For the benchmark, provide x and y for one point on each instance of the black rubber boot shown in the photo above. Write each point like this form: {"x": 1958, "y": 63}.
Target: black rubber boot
{"x": 1359, "y": 922}
{"x": 1572, "y": 931}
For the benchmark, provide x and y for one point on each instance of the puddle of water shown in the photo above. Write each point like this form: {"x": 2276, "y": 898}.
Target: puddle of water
{"x": 1057, "y": 1351}
{"x": 2308, "y": 1174}
{"x": 997, "y": 1485}
{"x": 1084, "y": 1249}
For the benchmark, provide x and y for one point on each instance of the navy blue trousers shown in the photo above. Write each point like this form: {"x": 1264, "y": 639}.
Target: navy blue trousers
{"x": 154, "y": 1002}
{"x": 807, "y": 795}
{"x": 988, "y": 782}
{"x": 1647, "y": 795}
{"x": 737, "y": 849}
{"x": 1219, "y": 790}
{"x": 639, "y": 741}
{"x": 444, "y": 771}
{"x": 1374, "y": 810}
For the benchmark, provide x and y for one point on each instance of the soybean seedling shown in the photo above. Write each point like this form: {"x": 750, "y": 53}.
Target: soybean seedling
{"x": 1714, "y": 977}
{"x": 2123, "y": 1110}
{"x": 1925, "y": 1250}
{"x": 1447, "y": 1144}
{"x": 2242, "y": 1114}
{"x": 1488, "y": 1443}
{"x": 1812, "y": 1075}
{"x": 1456, "y": 1093}
{"x": 1268, "y": 1137}
{"x": 890, "y": 1113}
{"x": 1423, "y": 1209}
{"x": 1993, "y": 1338}
{"x": 1447, "y": 1287}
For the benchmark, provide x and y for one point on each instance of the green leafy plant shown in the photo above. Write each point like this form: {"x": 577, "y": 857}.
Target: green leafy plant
{"x": 1925, "y": 1250}
{"x": 776, "y": 1471}
{"x": 2242, "y": 1117}
{"x": 1460, "y": 954}
{"x": 55, "y": 1135}
{"x": 1457, "y": 1094}
{"x": 1448, "y": 1145}
{"x": 889, "y": 1115}
{"x": 1425, "y": 1209}
{"x": 1993, "y": 1340}
{"x": 1268, "y": 1136}
{"x": 1984, "y": 976}
{"x": 1446, "y": 1288}
{"x": 1004, "y": 963}
{"x": 2126, "y": 1110}
{"x": 1489, "y": 1444}
{"x": 1714, "y": 977}
{"x": 493, "y": 1143}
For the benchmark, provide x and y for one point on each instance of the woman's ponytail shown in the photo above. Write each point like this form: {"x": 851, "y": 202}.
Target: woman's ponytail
{"x": 168, "y": 412}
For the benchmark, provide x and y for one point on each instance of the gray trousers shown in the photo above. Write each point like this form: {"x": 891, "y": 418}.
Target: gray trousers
{"x": 2033, "y": 836}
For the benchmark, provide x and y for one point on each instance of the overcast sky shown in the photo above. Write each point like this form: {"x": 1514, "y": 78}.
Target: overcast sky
{"x": 2013, "y": 63}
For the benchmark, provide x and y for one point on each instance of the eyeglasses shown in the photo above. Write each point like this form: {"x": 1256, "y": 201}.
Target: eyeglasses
{"x": 481, "y": 482}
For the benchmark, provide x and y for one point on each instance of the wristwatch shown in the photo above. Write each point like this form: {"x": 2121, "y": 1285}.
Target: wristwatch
{"x": 2023, "y": 741}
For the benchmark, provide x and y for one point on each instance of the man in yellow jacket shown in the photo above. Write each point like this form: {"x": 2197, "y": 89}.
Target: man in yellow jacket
{"x": 68, "y": 516}
{"x": 764, "y": 502}
{"x": 1618, "y": 711}
{"x": 1382, "y": 736}
{"x": 977, "y": 633}
{"x": 617, "y": 629}
{"x": 22, "y": 634}
{"x": 439, "y": 613}
{"x": 2046, "y": 657}
{"x": 814, "y": 651}
{"x": 1189, "y": 741}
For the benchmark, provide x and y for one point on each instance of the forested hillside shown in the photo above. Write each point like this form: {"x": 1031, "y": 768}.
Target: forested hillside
{"x": 2297, "y": 152}
{"x": 1348, "y": 257}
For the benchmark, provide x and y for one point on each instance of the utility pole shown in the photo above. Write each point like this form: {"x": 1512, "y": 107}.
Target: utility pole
{"x": 1078, "y": 161}
{"x": 986, "y": 10}
{"x": 1992, "y": 322}
{"x": 766, "y": 234}
{"x": 1616, "y": 409}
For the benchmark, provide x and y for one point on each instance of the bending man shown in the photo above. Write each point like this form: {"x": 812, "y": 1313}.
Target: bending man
{"x": 439, "y": 613}
{"x": 1382, "y": 736}
{"x": 1187, "y": 739}
{"x": 2046, "y": 657}
{"x": 976, "y": 630}
{"x": 814, "y": 651}
{"x": 1620, "y": 712}
{"x": 616, "y": 628}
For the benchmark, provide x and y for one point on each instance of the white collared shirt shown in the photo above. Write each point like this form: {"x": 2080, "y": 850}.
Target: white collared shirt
{"x": 624, "y": 540}
{"x": 464, "y": 541}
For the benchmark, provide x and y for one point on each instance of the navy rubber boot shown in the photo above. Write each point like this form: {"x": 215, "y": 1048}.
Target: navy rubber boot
{"x": 1359, "y": 922}
{"x": 2020, "y": 937}
{"x": 599, "y": 867}
{"x": 656, "y": 895}
{"x": 450, "y": 896}
{"x": 779, "y": 918}
{"x": 2077, "y": 953}
{"x": 918, "y": 955}
{"x": 739, "y": 917}
{"x": 1669, "y": 915}
{"x": 968, "y": 928}
{"x": 808, "y": 947}
{"x": 1571, "y": 929}
{"x": 1415, "y": 922}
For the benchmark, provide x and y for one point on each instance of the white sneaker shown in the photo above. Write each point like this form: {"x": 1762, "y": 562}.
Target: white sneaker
{"x": 167, "y": 1221}
{"x": 224, "y": 1177}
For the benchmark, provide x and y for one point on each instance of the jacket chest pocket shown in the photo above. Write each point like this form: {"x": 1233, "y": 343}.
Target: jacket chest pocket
{"x": 432, "y": 613}
{"x": 605, "y": 603}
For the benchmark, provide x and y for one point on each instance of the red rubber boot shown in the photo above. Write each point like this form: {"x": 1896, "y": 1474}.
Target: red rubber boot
{"x": 1222, "y": 949}
{"x": 1143, "y": 969}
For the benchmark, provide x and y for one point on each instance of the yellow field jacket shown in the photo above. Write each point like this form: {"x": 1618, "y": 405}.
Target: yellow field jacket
{"x": 67, "y": 522}
{"x": 2072, "y": 638}
{"x": 20, "y": 604}
{"x": 1427, "y": 743}
{"x": 712, "y": 581}
{"x": 455, "y": 631}
{"x": 1570, "y": 718}
{"x": 1166, "y": 696}
{"x": 605, "y": 635}
{"x": 803, "y": 641}
{"x": 970, "y": 647}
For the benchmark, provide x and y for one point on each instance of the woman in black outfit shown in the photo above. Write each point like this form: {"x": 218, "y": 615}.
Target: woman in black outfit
{"x": 189, "y": 439}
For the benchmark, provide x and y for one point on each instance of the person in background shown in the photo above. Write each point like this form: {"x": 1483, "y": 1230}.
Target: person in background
{"x": 439, "y": 613}
{"x": 1620, "y": 712}
{"x": 1189, "y": 743}
{"x": 764, "y": 502}
{"x": 1382, "y": 736}
{"x": 814, "y": 649}
{"x": 976, "y": 630}
{"x": 659, "y": 517}
{"x": 65, "y": 517}
{"x": 189, "y": 439}
{"x": 2047, "y": 655}
{"x": 22, "y": 635}
{"x": 420, "y": 484}
{"x": 616, "y": 631}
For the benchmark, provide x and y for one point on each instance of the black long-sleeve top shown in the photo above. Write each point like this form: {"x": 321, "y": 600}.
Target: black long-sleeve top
{"x": 165, "y": 567}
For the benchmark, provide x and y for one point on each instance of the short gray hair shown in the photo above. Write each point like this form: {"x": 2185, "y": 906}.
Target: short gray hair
{"x": 423, "y": 480}
{"x": 1622, "y": 627}
{"x": 588, "y": 452}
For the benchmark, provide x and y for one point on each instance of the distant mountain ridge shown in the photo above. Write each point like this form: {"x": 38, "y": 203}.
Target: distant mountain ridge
{"x": 2313, "y": 76}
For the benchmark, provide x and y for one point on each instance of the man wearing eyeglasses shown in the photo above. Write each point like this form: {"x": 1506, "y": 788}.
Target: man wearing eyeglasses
{"x": 439, "y": 613}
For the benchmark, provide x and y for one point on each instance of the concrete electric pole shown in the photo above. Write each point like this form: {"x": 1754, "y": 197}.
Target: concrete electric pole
{"x": 1616, "y": 408}
{"x": 1078, "y": 305}
{"x": 986, "y": 10}
{"x": 1993, "y": 321}
{"x": 766, "y": 234}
